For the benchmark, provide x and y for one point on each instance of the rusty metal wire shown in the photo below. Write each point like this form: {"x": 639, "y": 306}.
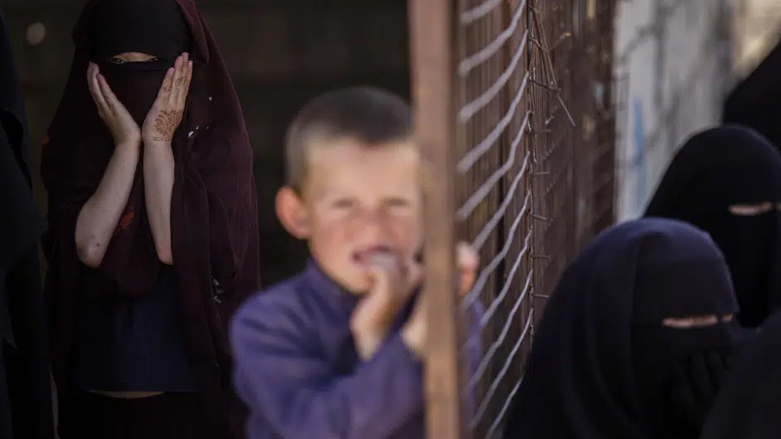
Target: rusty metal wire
{"x": 493, "y": 194}
{"x": 531, "y": 137}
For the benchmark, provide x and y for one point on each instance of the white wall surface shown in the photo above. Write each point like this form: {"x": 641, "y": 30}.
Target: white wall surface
{"x": 673, "y": 67}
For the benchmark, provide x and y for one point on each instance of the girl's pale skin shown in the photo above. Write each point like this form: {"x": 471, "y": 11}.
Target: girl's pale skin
{"x": 99, "y": 216}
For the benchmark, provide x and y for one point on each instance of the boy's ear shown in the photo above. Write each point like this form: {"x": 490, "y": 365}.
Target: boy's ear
{"x": 292, "y": 213}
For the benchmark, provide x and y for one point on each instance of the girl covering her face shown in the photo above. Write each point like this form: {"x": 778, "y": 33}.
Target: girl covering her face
{"x": 142, "y": 295}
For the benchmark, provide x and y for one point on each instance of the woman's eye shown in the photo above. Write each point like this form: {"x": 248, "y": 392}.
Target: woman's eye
{"x": 116, "y": 60}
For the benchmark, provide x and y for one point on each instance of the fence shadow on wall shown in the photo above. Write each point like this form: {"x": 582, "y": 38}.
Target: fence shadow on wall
{"x": 516, "y": 122}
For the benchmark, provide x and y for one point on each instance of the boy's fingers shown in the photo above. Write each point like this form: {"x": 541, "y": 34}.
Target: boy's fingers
{"x": 467, "y": 261}
{"x": 467, "y": 282}
{"x": 414, "y": 272}
{"x": 379, "y": 276}
{"x": 386, "y": 263}
{"x": 386, "y": 273}
{"x": 419, "y": 319}
{"x": 466, "y": 257}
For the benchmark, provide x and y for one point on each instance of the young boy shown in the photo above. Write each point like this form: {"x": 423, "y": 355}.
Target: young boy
{"x": 336, "y": 351}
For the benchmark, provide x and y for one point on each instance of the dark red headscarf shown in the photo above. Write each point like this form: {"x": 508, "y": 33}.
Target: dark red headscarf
{"x": 214, "y": 228}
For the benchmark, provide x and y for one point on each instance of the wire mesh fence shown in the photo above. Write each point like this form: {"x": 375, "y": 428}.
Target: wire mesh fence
{"x": 516, "y": 123}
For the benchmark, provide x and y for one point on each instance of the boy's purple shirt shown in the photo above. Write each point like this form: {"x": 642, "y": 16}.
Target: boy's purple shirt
{"x": 299, "y": 372}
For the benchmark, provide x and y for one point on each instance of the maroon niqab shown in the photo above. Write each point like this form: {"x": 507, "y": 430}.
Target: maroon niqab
{"x": 214, "y": 229}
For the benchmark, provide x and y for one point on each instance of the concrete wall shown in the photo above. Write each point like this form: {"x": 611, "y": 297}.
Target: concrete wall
{"x": 673, "y": 67}
{"x": 280, "y": 53}
{"x": 756, "y": 28}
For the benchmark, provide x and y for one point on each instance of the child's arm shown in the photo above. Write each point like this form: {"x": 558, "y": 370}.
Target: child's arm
{"x": 474, "y": 352}
{"x": 300, "y": 397}
{"x": 415, "y": 330}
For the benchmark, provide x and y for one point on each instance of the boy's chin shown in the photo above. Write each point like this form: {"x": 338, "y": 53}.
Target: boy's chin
{"x": 359, "y": 288}
{"x": 358, "y": 285}
{"x": 358, "y": 291}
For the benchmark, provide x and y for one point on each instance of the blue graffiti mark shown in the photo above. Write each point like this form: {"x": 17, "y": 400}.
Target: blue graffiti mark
{"x": 639, "y": 160}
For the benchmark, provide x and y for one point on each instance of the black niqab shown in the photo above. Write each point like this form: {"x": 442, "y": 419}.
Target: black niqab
{"x": 22, "y": 221}
{"x": 153, "y": 27}
{"x": 749, "y": 402}
{"x": 714, "y": 170}
{"x": 583, "y": 379}
{"x": 25, "y": 392}
{"x": 213, "y": 212}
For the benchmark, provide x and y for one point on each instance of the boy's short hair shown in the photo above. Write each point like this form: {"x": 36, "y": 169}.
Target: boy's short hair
{"x": 367, "y": 114}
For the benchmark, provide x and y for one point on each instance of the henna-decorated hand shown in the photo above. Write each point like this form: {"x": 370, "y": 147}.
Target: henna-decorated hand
{"x": 166, "y": 113}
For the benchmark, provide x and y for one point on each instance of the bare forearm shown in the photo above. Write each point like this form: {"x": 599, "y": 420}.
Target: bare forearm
{"x": 99, "y": 216}
{"x": 158, "y": 184}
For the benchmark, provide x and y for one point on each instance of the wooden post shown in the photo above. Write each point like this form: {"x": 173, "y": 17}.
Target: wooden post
{"x": 431, "y": 31}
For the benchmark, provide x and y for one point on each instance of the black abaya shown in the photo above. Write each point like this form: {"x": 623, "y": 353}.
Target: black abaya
{"x": 719, "y": 168}
{"x": 756, "y": 101}
{"x": 602, "y": 365}
{"x": 25, "y": 389}
{"x": 749, "y": 402}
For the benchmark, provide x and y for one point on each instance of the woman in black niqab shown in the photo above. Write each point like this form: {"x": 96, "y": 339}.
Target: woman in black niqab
{"x": 749, "y": 402}
{"x": 727, "y": 182}
{"x": 607, "y": 362}
{"x": 25, "y": 389}
{"x": 153, "y": 239}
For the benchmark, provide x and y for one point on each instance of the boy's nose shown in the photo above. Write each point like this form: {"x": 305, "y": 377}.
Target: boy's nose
{"x": 372, "y": 223}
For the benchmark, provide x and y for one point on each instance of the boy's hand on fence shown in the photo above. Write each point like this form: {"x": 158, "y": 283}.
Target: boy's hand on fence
{"x": 393, "y": 283}
{"x": 467, "y": 261}
{"x": 415, "y": 330}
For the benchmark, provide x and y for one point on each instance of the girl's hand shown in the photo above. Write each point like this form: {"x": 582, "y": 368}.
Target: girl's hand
{"x": 166, "y": 113}
{"x": 120, "y": 123}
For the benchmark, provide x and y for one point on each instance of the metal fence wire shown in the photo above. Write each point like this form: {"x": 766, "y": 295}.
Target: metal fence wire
{"x": 515, "y": 116}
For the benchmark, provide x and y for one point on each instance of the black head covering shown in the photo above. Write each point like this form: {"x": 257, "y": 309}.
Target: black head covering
{"x": 716, "y": 169}
{"x": 754, "y": 101}
{"x": 12, "y": 111}
{"x": 214, "y": 232}
{"x": 21, "y": 221}
{"x": 601, "y": 357}
{"x": 154, "y": 27}
{"x": 749, "y": 402}
{"x": 25, "y": 393}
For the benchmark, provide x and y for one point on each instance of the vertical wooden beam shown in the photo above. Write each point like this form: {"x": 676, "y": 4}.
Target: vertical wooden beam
{"x": 432, "y": 51}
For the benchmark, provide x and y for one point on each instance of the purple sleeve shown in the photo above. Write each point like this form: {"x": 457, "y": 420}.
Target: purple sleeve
{"x": 474, "y": 350}
{"x": 297, "y": 394}
{"x": 474, "y": 333}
